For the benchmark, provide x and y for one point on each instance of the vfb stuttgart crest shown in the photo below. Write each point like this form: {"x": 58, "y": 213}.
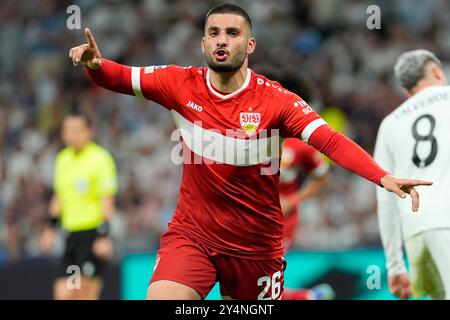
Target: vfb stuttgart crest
{"x": 250, "y": 121}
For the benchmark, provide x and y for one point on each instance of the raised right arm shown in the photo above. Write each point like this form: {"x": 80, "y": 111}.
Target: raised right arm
{"x": 157, "y": 83}
{"x": 114, "y": 77}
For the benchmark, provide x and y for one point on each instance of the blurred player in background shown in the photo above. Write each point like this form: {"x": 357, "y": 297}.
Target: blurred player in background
{"x": 413, "y": 141}
{"x": 85, "y": 184}
{"x": 297, "y": 160}
{"x": 228, "y": 223}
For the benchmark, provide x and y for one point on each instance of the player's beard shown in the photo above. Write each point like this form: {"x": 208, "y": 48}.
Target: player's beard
{"x": 232, "y": 65}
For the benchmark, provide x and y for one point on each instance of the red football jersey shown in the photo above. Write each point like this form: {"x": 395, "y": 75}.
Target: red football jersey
{"x": 227, "y": 198}
{"x": 297, "y": 157}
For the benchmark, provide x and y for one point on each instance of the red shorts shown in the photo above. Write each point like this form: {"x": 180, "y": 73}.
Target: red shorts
{"x": 187, "y": 261}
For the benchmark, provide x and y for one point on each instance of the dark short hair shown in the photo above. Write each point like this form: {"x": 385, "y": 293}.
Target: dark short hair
{"x": 229, "y": 8}
{"x": 77, "y": 113}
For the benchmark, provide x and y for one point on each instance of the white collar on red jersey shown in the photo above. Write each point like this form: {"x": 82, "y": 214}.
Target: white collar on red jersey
{"x": 226, "y": 96}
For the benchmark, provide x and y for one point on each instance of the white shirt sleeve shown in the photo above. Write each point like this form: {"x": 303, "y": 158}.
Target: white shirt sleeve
{"x": 388, "y": 215}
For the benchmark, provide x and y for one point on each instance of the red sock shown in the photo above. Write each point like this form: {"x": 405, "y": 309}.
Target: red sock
{"x": 300, "y": 294}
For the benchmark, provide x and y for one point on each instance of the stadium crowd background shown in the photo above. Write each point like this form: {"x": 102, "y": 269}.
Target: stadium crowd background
{"x": 320, "y": 47}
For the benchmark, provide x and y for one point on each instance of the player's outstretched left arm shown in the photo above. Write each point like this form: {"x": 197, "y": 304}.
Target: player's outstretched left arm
{"x": 352, "y": 157}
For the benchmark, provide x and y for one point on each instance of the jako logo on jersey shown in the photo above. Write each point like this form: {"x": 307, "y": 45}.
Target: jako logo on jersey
{"x": 194, "y": 106}
{"x": 305, "y": 107}
{"x": 250, "y": 121}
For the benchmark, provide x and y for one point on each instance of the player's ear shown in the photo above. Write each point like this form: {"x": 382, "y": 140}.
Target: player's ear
{"x": 438, "y": 74}
{"x": 203, "y": 44}
{"x": 251, "y": 46}
{"x": 435, "y": 72}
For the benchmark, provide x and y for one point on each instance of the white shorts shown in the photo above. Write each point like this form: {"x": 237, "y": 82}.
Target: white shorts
{"x": 429, "y": 262}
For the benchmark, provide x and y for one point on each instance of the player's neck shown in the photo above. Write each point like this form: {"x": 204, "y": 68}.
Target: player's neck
{"x": 423, "y": 85}
{"x": 79, "y": 149}
{"x": 228, "y": 81}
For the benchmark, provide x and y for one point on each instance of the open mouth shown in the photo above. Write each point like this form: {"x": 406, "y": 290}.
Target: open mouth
{"x": 221, "y": 54}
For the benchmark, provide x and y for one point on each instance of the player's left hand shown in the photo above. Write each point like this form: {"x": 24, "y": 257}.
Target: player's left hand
{"x": 103, "y": 248}
{"x": 400, "y": 285}
{"x": 401, "y": 187}
{"x": 286, "y": 206}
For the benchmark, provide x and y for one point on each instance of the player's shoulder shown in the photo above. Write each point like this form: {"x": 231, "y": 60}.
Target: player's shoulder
{"x": 96, "y": 150}
{"x": 425, "y": 96}
{"x": 63, "y": 154}
{"x": 62, "y": 159}
{"x": 387, "y": 121}
{"x": 174, "y": 71}
{"x": 272, "y": 89}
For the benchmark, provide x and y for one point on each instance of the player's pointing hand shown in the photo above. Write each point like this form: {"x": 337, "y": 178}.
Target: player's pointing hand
{"x": 401, "y": 187}
{"x": 87, "y": 53}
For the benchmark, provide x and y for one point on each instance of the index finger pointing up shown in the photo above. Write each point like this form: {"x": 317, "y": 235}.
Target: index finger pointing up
{"x": 90, "y": 39}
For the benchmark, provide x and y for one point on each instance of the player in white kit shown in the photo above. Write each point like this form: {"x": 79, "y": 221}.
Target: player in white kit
{"x": 414, "y": 141}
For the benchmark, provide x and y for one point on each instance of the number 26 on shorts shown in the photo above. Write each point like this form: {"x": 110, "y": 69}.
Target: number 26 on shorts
{"x": 273, "y": 283}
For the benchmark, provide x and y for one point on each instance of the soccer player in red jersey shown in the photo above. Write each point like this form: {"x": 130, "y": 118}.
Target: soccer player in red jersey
{"x": 228, "y": 224}
{"x": 299, "y": 159}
